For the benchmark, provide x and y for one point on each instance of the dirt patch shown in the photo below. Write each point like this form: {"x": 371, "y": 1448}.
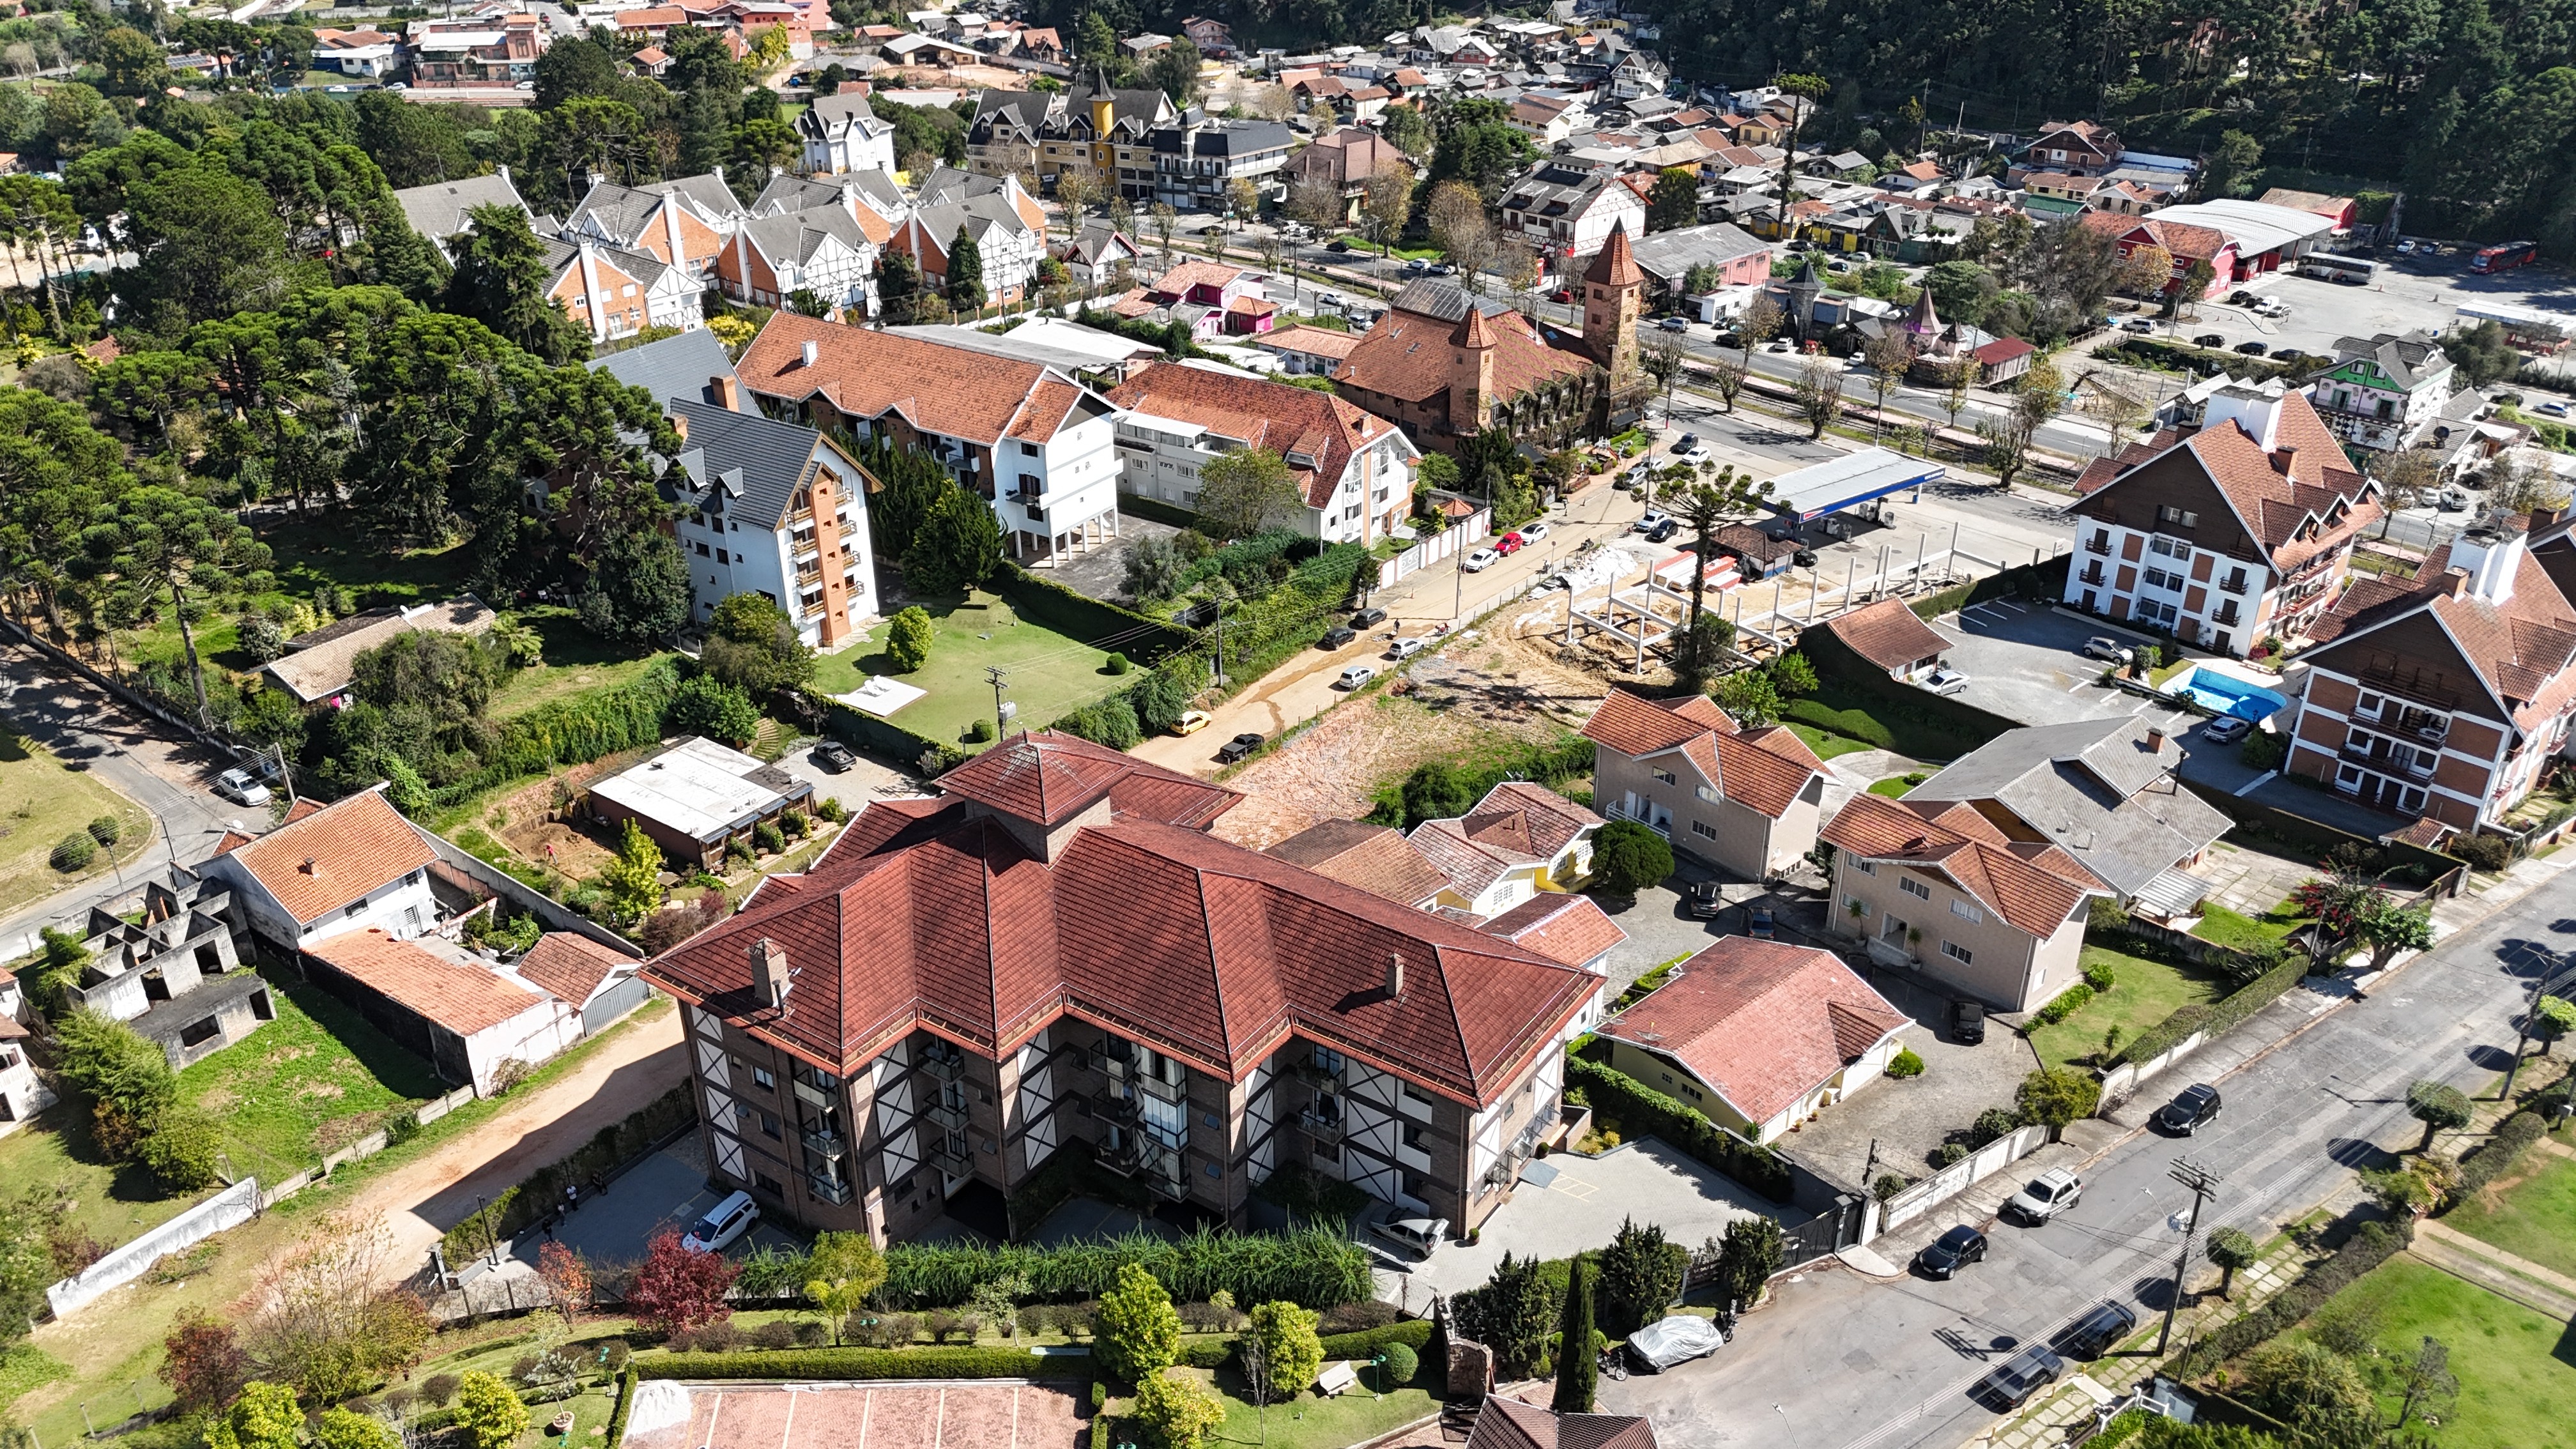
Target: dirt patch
{"x": 1486, "y": 690}
{"x": 551, "y": 842}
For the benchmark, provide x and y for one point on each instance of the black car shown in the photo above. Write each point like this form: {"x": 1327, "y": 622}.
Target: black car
{"x": 2240, "y": 298}
{"x": 1337, "y": 636}
{"x": 2196, "y": 1108}
{"x": 1368, "y": 618}
{"x": 2209, "y": 339}
{"x": 2102, "y": 1326}
{"x": 834, "y": 756}
{"x": 1688, "y": 442}
{"x": 2024, "y": 1374}
{"x": 1706, "y": 900}
{"x": 1967, "y": 1022}
{"x": 2252, "y": 349}
{"x": 1238, "y": 747}
{"x": 1945, "y": 1255}
{"x": 1337, "y": 246}
{"x": 1662, "y": 531}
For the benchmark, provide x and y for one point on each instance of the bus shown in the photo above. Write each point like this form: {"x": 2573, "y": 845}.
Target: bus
{"x": 2506, "y": 257}
{"x": 2351, "y": 271}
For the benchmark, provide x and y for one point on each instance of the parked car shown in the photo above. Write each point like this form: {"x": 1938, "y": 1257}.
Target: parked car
{"x": 2406, "y": 246}
{"x": 1687, "y": 442}
{"x": 1406, "y": 648}
{"x": 1758, "y": 922}
{"x": 1778, "y": 344}
{"x": 2226, "y": 729}
{"x": 2138, "y": 324}
{"x": 1673, "y": 324}
{"x": 834, "y": 756}
{"x": 2550, "y": 409}
{"x": 1945, "y": 1255}
{"x": 2098, "y": 1331}
{"x": 1649, "y": 521}
{"x": 1414, "y": 267}
{"x": 1662, "y": 531}
{"x": 2024, "y": 1374}
{"x": 2272, "y": 307}
{"x": 2453, "y": 500}
{"x": 2209, "y": 339}
{"x": 241, "y": 787}
{"x": 724, "y": 1222}
{"x": 1240, "y": 746}
{"x": 1561, "y": 294}
{"x": 1337, "y": 636}
{"x": 1481, "y": 560}
{"x": 2240, "y": 298}
{"x": 2252, "y": 349}
{"x": 2194, "y": 1108}
{"x": 1337, "y": 244}
{"x": 1416, "y": 1235}
{"x": 1967, "y": 1022}
{"x": 1533, "y": 532}
{"x": 1191, "y": 722}
{"x": 1707, "y": 899}
{"x": 2104, "y": 647}
{"x": 1509, "y": 544}
{"x": 1368, "y": 618}
{"x": 1444, "y": 269}
{"x": 1946, "y": 680}
{"x": 2050, "y": 1193}
{"x": 1669, "y": 1342}
{"x": 1355, "y": 676}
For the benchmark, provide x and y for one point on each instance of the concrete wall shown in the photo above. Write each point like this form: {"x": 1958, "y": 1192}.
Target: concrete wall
{"x": 230, "y": 1208}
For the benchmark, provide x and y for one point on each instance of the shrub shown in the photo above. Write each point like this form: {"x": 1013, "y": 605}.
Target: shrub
{"x": 2056, "y": 1096}
{"x": 1992, "y": 1123}
{"x": 2490, "y": 853}
{"x": 2067, "y": 1003}
{"x": 625, "y": 1397}
{"x": 776, "y": 1334}
{"x": 708, "y": 706}
{"x": 1316, "y": 1268}
{"x": 1358, "y": 1317}
{"x": 1643, "y": 1112}
{"x": 1627, "y": 858}
{"x": 488, "y": 1414}
{"x": 105, "y": 830}
{"x": 1413, "y": 1333}
{"x": 74, "y": 852}
{"x": 1140, "y": 1334}
{"x": 980, "y": 732}
{"x": 1905, "y": 1063}
{"x": 1116, "y": 663}
{"x": 722, "y": 1336}
{"x": 1178, "y": 1412}
{"x": 181, "y": 1150}
{"x": 2262, "y": 750}
{"x": 1401, "y": 1364}
{"x": 439, "y": 1389}
{"x": 1281, "y": 1338}
{"x": 768, "y": 838}
{"x": 908, "y": 637}
{"x": 992, "y": 1362}
{"x": 2372, "y": 1244}
{"x": 2099, "y": 975}
{"x": 1948, "y": 1153}
{"x": 1640, "y": 1272}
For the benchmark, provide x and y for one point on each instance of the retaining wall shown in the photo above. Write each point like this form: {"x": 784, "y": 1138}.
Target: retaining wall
{"x": 230, "y": 1208}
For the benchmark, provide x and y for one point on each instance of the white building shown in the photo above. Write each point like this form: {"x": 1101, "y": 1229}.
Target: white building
{"x": 1354, "y": 470}
{"x": 841, "y": 134}
{"x": 774, "y": 509}
{"x": 352, "y": 865}
{"x": 1566, "y": 211}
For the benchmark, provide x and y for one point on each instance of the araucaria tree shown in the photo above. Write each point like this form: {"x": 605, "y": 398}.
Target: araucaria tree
{"x": 1703, "y": 502}
{"x": 160, "y": 541}
{"x": 1641, "y": 1272}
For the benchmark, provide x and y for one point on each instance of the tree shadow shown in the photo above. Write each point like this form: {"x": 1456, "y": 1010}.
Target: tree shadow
{"x": 2358, "y": 1155}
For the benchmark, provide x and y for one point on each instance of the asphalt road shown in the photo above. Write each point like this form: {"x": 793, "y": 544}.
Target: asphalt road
{"x": 1845, "y": 1362}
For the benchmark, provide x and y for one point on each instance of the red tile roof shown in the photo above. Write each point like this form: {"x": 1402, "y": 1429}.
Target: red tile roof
{"x": 946, "y": 390}
{"x": 2187, "y": 240}
{"x": 1887, "y": 634}
{"x": 570, "y": 965}
{"x": 2298, "y": 501}
{"x": 2034, "y": 888}
{"x": 1510, "y": 1424}
{"x": 2524, "y": 650}
{"x": 1763, "y": 1022}
{"x": 1050, "y": 778}
{"x": 930, "y": 914}
{"x": 1407, "y": 356}
{"x": 1314, "y": 341}
{"x": 1765, "y": 769}
{"x": 335, "y": 854}
{"x": 1261, "y": 414}
{"x": 464, "y": 999}
{"x": 1560, "y": 926}
{"x": 1376, "y": 858}
{"x": 1516, "y": 824}
{"x": 1615, "y": 265}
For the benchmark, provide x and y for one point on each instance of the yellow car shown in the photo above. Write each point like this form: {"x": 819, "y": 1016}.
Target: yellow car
{"x": 1190, "y": 722}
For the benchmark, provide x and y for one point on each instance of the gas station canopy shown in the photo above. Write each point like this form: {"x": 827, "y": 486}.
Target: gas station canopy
{"x": 1812, "y": 492}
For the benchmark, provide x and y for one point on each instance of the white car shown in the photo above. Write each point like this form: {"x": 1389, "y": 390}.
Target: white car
{"x": 2050, "y": 1193}
{"x": 242, "y": 787}
{"x": 1652, "y": 519}
{"x": 2406, "y": 247}
{"x": 1355, "y": 676}
{"x": 1946, "y": 681}
{"x": 2271, "y": 307}
{"x": 1419, "y": 1235}
{"x": 1481, "y": 560}
{"x": 1533, "y": 532}
{"x": 1407, "y": 648}
{"x": 724, "y": 1222}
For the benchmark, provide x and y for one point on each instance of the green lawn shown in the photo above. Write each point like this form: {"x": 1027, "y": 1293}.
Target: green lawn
{"x": 24, "y": 1366}
{"x": 2517, "y": 1368}
{"x": 1050, "y": 674}
{"x": 576, "y": 661}
{"x": 2142, "y": 993}
{"x": 44, "y": 798}
{"x": 1897, "y": 787}
{"x": 306, "y": 1084}
{"x": 111, "y": 1204}
{"x": 1308, "y": 1422}
{"x": 2223, "y": 927}
{"x": 2536, "y": 1219}
{"x": 1828, "y": 745}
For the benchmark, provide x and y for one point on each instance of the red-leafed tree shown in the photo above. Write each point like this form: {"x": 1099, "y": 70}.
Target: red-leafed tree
{"x": 567, "y": 1279}
{"x": 204, "y": 1365}
{"x": 677, "y": 1290}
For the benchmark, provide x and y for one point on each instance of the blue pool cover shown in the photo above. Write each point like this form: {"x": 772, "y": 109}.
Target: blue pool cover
{"x": 2228, "y": 695}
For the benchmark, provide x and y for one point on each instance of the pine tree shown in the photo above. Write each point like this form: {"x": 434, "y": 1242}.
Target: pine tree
{"x": 965, "y": 273}
{"x": 1577, "y": 1372}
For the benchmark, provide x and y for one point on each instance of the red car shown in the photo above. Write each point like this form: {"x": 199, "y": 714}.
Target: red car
{"x": 1565, "y": 294}
{"x": 1508, "y": 544}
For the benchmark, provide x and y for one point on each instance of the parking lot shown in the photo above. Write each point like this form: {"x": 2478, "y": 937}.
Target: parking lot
{"x": 2409, "y": 293}
{"x": 2027, "y": 663}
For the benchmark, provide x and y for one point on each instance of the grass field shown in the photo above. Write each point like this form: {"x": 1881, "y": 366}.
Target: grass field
{"x": 2517, "y": 1368}
{"x": 1828, "y": 745}
{"x": 1049, "y": 673}
{"x": 2223, "y": 927}
{"x": 576, "y": 662}
{"x": 1897, "y": 787}
{"x": 2142, "y": 993}
{"x": 44, "y": 798}
{"x": 2534, "y": 1218}
{"x": 55, "y": 1153}
{"x": 307, "y": 1084}
{"x": 309, "y": 556}
{"x": 1309, "y": 1422}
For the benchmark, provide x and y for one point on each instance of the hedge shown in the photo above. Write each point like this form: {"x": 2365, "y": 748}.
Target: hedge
{"x": 1137, "y": 505}
{"x": 1935, "y": 725}
{"x": 869, "y": 1363}
{"x": 2043, "y": 580}
{"x": 2217, "y": 1016}
{"x": 881, "y": 737}
{"x": 573, "y": 732}
{"x": 625, "y": 1401}
{"x": 2373, "y": 1244}
{"x": 2490, "y": 1159}
{"x": 1308, "y": 1266}
{"x": 1140, "y": 637}
{"x": 1644, "y": 1111}
{"x": 1413, "y": 1333}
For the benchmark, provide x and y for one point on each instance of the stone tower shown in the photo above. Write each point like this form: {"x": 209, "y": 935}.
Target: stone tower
{"x": 1804, "y": 289}
{"x": 1612, "y": 289}
{"x": 1471, "y": 387}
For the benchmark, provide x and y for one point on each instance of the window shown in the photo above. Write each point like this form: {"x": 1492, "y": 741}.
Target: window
{"x": 763, "y": 1080}
{"x": 768, "y": 1184}
{"x": 354, "y": 908}
{"x": 1966, "y": 912}
{"x": 1704, "y": 829}
{"x": 1215, "y": 1171}
{"x": 1416, "y": 1096}
{"x": 1664, "y": 775}
{"x": 2167, "y": 513}
{"x": 768, "y": 1124}
{"x": 1957, "y": 952}
{"x": 1413, "y": 1137}
{"x": 1915, "y": 888}
{"x": 1858, "y": 908}
{"x": 2235, "y": 581}
{"x": 1707, "y": 794}
{"x": 1028, "y": 450}
{"x": 1865, "y": 867}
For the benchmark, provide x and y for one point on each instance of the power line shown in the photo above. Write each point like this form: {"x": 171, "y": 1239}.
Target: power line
{"x": 2203, "y": 1183}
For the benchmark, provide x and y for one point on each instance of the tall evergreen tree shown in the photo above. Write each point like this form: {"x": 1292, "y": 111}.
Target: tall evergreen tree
{"x": 965, "y": 272}
{"x": 1578, "y": 1374}
{"x": 501, "y": 281}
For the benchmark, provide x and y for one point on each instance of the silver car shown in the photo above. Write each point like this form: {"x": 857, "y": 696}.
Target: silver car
{"x": 2050, "y": 1193}
{"x": 1417, "y": 1235}
{"x": 241, "y": 787}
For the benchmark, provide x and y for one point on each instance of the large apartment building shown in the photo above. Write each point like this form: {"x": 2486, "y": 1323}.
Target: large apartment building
{"x": 2227, "y": 534}
{"x": 1038, "y": 445}
{"x": 2444, "y": 696}
{"x": 1056, "y": 952}
{"x": 1354, "y": 471}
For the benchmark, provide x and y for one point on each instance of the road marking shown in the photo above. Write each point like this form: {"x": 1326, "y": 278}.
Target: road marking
{"x": 714, "y": 1414}
{"x": 867, "y": 1412}
{"x": 787, "y": 1432}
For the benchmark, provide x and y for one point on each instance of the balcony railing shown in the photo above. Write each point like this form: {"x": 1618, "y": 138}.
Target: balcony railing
{"x": 2093, "y": 574}
{"x": 949, "y": 1157}
{"x": 825, "y": 1144}
{"x": 2101, "y": 546}
{"x": 1168, "y": 1091}
{"x": 813, "y": 1095}
{"x": 946, "y": 1066}
{"x": 1310, "y": 1071}
{"x": 1114, "y": 1107}
{"x": 828, "y": 1189}
{"x": 2414, "y": 764}
{"x": 1319, "y": 1127}
{"x": 953, "y": 1118}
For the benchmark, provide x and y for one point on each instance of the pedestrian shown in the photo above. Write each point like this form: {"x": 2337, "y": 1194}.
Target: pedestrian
{"x": 572, "y": 1196}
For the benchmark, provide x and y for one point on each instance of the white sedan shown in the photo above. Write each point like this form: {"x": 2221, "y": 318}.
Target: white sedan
{"x": 1533, "y": 532}
{"x": 1481, "y": 560}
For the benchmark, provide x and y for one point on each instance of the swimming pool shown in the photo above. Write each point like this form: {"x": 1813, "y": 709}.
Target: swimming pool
{"x": 2226, "y": 694}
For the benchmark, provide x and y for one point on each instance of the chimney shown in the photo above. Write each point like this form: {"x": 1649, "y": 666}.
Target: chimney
{"x": 2155, "y": 739}
{"x": 769, "y": 971}
{"x": 729, "y": 392}
{"x": 310, "y": 866}
{"x": 2455, "y": 582}
{"x": 2490, "y": 553}
{"x": 2285, "y": 458}
{"x": 813, "y": 352}
{"x": 1395, "y": 974}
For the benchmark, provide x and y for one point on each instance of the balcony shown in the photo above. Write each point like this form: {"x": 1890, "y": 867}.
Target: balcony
{"x": 2425, "y": 686}
{"x": 2400, "y": 760}
{"x": 1141, "y": 1156}
{"x": 1168, "y": 1091}
{"x": 825, "y": 1144}
{"x": 1312, "y": 1072}
{"x": 2098, "y": 544}
{"x": 830, "y": 1190}
{"x": 1319, "y": 1127}
{"x": 814, "y": 1096}
{"x": 2093, "y": 574}
{"x": 949, "y": 1157}
{"x": 1112, "y": 1107}
{"x": 948, "y": 1066}
{"x": 953, "y": 1118}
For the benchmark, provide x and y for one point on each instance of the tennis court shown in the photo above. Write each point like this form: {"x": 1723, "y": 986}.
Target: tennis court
{"x": 668, "y": 1415}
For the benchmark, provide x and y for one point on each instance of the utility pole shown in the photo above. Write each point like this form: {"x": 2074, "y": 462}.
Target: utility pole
{"x": 2203, "y": 1184}
{"x": 2522, "y": 1039}
{"x": 993, "y": 672}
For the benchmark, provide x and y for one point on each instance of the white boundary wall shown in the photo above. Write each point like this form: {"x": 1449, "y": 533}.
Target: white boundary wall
{"x": 230, "y": 1208}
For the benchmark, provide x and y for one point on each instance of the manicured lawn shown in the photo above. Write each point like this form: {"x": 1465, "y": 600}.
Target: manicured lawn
{"x": 1828, "y": 745}
{"x": 111, "y": 1204}
{"x": 1050, "y": 674}
{"x": 1308, "y": 1422}
{"x": 307, "y": 1084}
{"x": 1897, "y": 787}
{"x": 576, "y": 662}
{"x": 2142, "y": 993}
{"x": 2223, "y": 927}
{"x": 2534, "y": 1219}
{"x": 2517, "y": 1368}
{"x": 44, "y": 798}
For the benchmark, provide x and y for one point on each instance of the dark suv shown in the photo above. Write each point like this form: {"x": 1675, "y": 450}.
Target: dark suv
{"x": 1967, "y": 1022}
{"x": 1337, "y": 636}
{"x": 1368, "y": 618}
{"x": 2024, "y": 1374}
{"x": 2194, "y": 1109}
{"x": 2098, "y": 1331}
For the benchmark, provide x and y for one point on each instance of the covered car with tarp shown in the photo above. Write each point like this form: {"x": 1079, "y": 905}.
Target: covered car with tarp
{"x": 1675, "y": 1340}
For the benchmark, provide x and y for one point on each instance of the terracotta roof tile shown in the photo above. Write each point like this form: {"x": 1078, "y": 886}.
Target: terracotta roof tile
{"x": 336, "y": 855}
{"x": 464, "y": 999}
{"x": 570, "y": 965}
{"x": 1887, "y": 634}
{"x": 2304, "y": 486}
{"x": 1767, "y": 774}
{"x": 1562, "y": 927}
{"x": 1261, "y": 414}
{"x": 1407, "y": 356}
{"x": 1376, "y": 858}
{"x": 2523, "y": 650}
{"x": 1050, "y": 778}
{"x": 2034, "y": 894}
{"x": 1764, "y": 1022}
{"x": 975, "y": 396}
{"x": 1506, "y": 1423}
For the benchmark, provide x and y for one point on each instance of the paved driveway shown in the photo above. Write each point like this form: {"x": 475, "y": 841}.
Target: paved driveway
{"x": 2026, "y": 662}
{"x": 1892, "y": 1125}
{"x": 667, "y": 1190}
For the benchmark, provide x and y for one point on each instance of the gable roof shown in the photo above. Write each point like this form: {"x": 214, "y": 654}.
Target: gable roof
{"x": 2035, "y": 888}
{"x": 570, "y": 965}
{"x": 464, "y": 999}
{"x": 974, "y": 396}
{"x": 1763, "y": 1022}
{"x": 2101, "y": 789}
{"x": 1294, "y": 422}
{"x": 683, "y": 366}
{"x": 337, "y": 854}
{"x": 1887, "y": 633}
{"x": 440, "y": 210}
{"x": 1516, "y": 825}
{"x": 1506, "y": 1423}
{"x": 1048, "y": 778}
{"x": 1561, "y": 926}
{"x": 1765, "y": 769}
{"x": 1407, "y": 354}
{"x": 1375, "y": 858}
{"x": 2304, "y": 484}
{"x": 2523, "y": 651}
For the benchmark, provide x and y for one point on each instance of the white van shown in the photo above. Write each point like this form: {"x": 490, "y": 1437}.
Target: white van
{"x": 724, "y": 1222}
